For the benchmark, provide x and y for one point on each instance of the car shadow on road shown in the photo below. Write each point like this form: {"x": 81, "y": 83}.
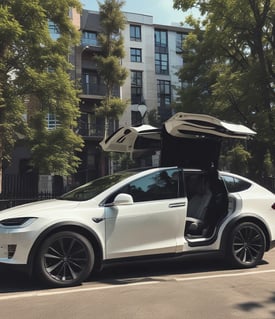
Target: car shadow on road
{"x": 157, "y": 270}
{"x": 124, "y": 273}
{"x": 12, "y": 280}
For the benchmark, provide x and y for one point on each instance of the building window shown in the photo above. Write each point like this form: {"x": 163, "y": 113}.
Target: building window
{"x": 90, "y": 82}
{"x": 164, "y": 92}
{"x": 164, "y": 99}
{"x": 136, "y": 87}
{"x": 180, "y": 37}
{"x": 54, "y": 31}
{"x": 89, "y": 38}
{"x": 51, "y": 121}
{"x": 135, "y": 32}
{"x": 161, "y": 63}
{"x": 136, "y": 55}
{"x": 161, "y": 39}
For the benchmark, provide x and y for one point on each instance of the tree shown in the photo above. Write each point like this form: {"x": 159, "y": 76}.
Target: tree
{"x": 229, "y": 67}
{"x": 112, "y": 21}
{"x": 237, "y": 158}
{"x": 35, "y": 81}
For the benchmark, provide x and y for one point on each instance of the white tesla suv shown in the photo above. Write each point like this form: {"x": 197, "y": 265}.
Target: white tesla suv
{"x": 185, "y": 205}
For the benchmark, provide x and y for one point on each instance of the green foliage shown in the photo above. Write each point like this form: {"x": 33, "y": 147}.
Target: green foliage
{"x": 111, "y": 71}
{"x": 109, "y": 61}
{"x": 12, "y": 124}
{"x": 268, "y": 166}
{"x": 122, "y": 161}
{"x": 50, "y": 152}
{"x": 229, "y": 68}
{"x": 237, "y": 160}
{"x": 111, "y": 17}
{"x": 34, "y": 80}
{"x": 112, "y": 108}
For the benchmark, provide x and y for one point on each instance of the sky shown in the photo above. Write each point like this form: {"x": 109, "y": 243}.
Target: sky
{"x": 161, "y": 10}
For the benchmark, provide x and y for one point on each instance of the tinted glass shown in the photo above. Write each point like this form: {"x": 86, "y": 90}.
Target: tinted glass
{"x": 234, "y": 184}
{"x": 95, "y": 187}
{"x": 163, "y": 184}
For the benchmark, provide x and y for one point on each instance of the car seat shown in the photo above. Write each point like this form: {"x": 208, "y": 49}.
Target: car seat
{"x": 200, "y": 197}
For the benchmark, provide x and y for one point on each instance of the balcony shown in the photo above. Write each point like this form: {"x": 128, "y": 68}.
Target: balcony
{"x": 94, "y": 131}
{"x": 97, "y": 90}
{"x": 90, "y": 43}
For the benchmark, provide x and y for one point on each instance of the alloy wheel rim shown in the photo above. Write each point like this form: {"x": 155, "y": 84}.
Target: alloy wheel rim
{"x": 247, "y": 244}
{"x": 65, "y": 259}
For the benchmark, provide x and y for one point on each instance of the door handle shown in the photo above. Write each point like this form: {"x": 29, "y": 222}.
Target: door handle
{"x": 180, "y": 204}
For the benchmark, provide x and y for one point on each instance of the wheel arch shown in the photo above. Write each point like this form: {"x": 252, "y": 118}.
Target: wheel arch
{"x": 238, "y": 220}
{"x": 67, "y": 226}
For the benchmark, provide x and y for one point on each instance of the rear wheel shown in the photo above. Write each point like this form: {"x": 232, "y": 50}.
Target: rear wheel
{"x": 64, "y": 259}
{"x": 246, "y": 245}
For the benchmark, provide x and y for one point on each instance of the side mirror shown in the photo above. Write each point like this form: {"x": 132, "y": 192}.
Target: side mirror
{"x": 123, "y": 199}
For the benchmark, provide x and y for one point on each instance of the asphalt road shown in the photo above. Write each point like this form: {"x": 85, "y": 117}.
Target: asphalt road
{"x": 191, "y": 287}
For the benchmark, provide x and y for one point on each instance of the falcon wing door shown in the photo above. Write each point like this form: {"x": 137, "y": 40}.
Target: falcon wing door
{"x": 187, "y": 125}
{"x": 194, "y": 140}
{"x": 133, "y": 140}
{"x": 185, "y": 140}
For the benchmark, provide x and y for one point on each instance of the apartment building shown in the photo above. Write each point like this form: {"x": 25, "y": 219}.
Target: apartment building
{"x": 152, "y": 59}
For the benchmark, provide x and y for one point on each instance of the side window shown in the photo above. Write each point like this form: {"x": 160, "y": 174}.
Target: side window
{"x": 164, "y": 184}
{"x": 156, "y": 186}
{"x": 234, "y": 184}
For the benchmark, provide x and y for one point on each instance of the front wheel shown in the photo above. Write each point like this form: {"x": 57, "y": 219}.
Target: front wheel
{"x": 246, "y": 245}
{"x": 64, "y": 259}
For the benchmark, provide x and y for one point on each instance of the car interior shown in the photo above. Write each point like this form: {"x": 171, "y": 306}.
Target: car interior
{"x": 207, "y": 203}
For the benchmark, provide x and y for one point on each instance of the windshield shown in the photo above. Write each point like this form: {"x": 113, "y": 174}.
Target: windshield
{"x": 95, "y": 187}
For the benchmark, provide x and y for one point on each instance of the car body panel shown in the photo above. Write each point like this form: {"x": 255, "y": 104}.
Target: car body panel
{"x": 145, "y": 228}
{"x": 64, "y": 213}
{"x": 255, "y": 201}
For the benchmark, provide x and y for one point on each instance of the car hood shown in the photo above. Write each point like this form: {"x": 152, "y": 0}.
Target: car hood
{"x": 187, "y": 140}
{"x": 37, "y": 208}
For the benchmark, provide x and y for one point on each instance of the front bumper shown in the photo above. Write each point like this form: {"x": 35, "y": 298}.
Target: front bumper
{"x": 16, "y": 244}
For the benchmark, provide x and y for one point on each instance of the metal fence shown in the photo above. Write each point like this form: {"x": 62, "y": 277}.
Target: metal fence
{"x": 18, "y": 200}
{"x": 22, "y": 189}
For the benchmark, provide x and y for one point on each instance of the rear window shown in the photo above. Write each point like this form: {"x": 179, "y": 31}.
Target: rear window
{"x": 234, "y": 184}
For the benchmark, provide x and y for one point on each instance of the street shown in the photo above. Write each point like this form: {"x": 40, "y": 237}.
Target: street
{"x": 194, "y": 287}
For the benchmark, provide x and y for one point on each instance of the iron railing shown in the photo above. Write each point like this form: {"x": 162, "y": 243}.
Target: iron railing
{"x": 97, "y": 89}
{"x": 95, "y": 130}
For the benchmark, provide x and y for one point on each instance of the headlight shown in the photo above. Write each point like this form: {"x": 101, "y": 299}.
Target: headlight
{"x": 17, "y": 222}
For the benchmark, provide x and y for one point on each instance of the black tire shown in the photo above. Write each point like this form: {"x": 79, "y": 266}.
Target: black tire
{"x": 64, "y": 259}
{"x": 246, "y": 245}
